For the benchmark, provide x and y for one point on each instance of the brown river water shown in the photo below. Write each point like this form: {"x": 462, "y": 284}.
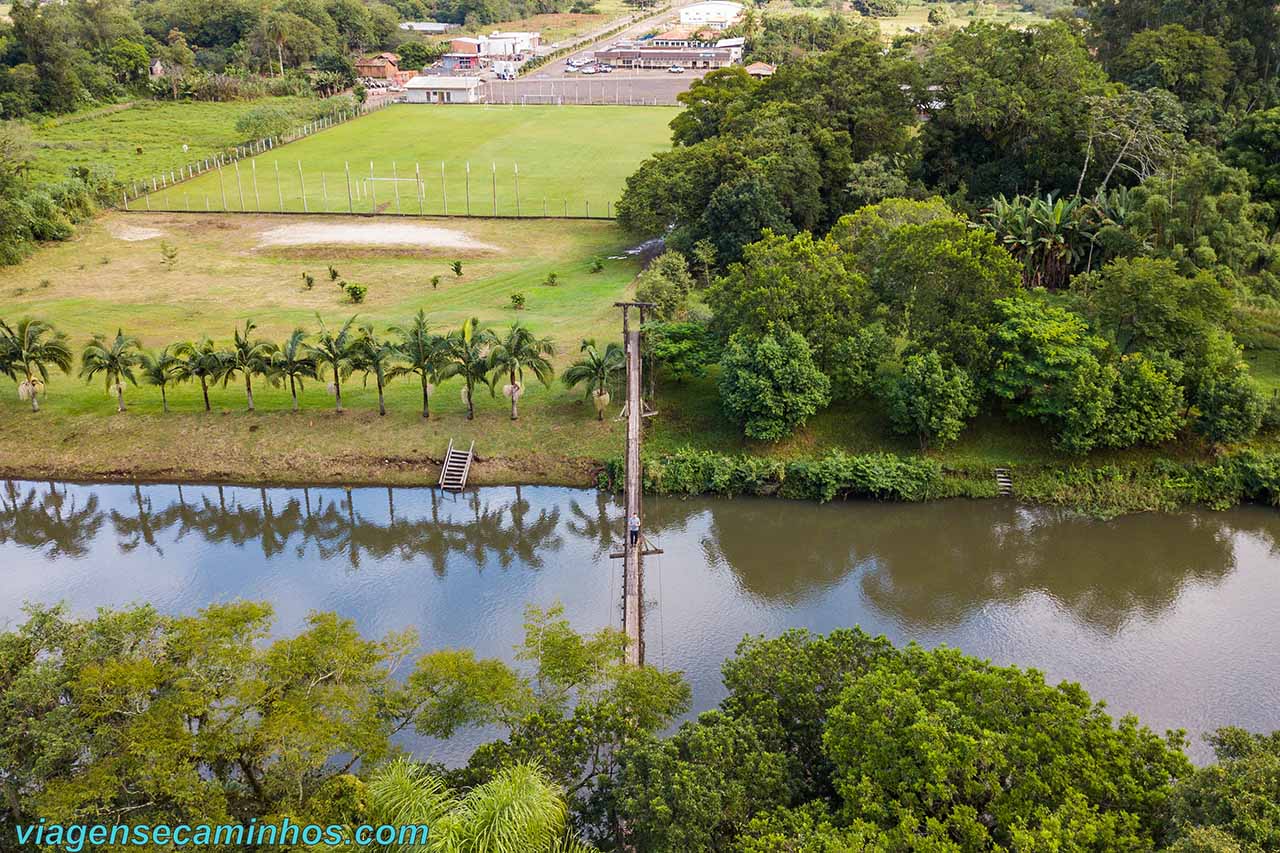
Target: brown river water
{"x": 1174, "y": 617}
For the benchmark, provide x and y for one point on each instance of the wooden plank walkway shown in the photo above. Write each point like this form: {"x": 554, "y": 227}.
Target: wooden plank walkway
{"x": 456, "y": 467}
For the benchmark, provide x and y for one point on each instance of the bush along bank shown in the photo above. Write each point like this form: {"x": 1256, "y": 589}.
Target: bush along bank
{"x": 1103, "y": 491}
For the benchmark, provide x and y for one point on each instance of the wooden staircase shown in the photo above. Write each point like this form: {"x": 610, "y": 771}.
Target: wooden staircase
{"x": 456, "y": 467}
{"x": 1004, "y": 483}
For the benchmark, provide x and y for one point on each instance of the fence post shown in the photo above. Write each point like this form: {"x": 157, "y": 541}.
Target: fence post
{"x": 239, "y": 186}
{"x": 351, "y": 207}
{"x": 324, "y": 191}
{"x": 395, "y": 184}
{"x": 493, "y": 168}
{"x": 223, "y": 186}
{"x": 517, "y": 173}
{"x": 373, "y": 189}
{"x": 302, "y": 185}
{"x": 253, "y": 171}
{"x": 417, "y": 185}
{"x": 468, "y": 185}
{"x": 124, "y": 197}
{"x": 279, "y": 190}
{"x": 444, "y": 194}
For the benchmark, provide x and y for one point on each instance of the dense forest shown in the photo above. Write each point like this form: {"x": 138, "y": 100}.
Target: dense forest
{"x": 1073, "y": 224}
{"x": 822, "y": 744}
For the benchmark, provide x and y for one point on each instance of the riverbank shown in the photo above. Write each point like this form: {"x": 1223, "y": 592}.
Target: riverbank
{"x": 558, "y": 442}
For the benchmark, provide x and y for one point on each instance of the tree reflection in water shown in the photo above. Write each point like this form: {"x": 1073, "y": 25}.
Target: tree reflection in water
{"x": 44, "y": 519}
{"x": 483, "y": 528}
{"x": 930, "y": 566}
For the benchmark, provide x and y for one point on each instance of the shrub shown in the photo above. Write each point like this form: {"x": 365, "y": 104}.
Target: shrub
{"x": 552, "y": 279}
{"x": 264, "y": 122}
{"x": 308, "y": 281}
{"x": 456, "y": 266}
{"x": 517, "y": 301}
{"x": 355, "y": 292}
{"x": 770, "y": 385}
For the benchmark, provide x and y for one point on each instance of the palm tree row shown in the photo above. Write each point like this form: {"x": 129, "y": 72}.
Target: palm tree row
{"x": 476, "y": 354}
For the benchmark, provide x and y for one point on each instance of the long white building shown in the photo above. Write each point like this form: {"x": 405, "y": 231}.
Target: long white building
{"x": 716, "y": 14}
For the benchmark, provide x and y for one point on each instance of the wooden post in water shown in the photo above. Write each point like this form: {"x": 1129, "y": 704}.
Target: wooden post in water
{"x": 633, "y": 553}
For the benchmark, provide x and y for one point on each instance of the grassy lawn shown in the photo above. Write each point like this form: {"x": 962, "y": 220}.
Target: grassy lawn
{"x": 574, "y": 156}
{"x": 113, "y": 135}
{"x": 101, "y": 281}
{"x": 915, "y": 13}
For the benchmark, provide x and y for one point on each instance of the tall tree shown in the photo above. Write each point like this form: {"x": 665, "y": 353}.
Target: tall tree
{"x": 161, "y": 370}
{"x": 248, "y": 358}
{"x": 199, "y": 360}
{"x": 33, "y": 346}
{"x": 598, "y": 371}
{"x": 424, "y": 355}
{"x": 468, "y": 357}
{"x": 336, "y": 352}
{"x": 293, "y": 361}
{"x": 115, "y": 360}
{"x": 377, "y": 358}
{"x": 514, "y": 353}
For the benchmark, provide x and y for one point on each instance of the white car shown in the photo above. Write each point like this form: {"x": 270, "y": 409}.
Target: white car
{"x": 590, "y": 69}
{"x": 676, "y": 69}
{"x": 570, "y": 69}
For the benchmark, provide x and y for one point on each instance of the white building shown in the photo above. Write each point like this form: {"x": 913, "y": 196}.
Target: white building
{"x": 429, "y": 27}
{"x": 716, "y": 14}
{"x": 444, "y": 90}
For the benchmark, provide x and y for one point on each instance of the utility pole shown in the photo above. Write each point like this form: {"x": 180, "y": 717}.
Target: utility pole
{"x": 633, "y": 553}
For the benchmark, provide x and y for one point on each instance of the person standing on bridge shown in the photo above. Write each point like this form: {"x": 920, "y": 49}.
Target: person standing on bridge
{"x": 634, "y": 526}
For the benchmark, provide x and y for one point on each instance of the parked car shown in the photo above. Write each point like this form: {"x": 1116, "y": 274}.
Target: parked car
{"x": 605, "y": 69}
{"x": 569, "y": 69}
{"x": 590, "y": 69}
{"x": 676, "y": 69}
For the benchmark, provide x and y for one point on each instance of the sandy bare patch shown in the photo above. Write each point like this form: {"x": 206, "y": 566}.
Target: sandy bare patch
{"x": 410, "y": 234}
{"x": 134, "y": 233}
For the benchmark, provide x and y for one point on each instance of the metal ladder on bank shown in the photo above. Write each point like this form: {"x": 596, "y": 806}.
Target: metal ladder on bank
{"x": 456, "y": 467}
{"x": 1004, "y": 483}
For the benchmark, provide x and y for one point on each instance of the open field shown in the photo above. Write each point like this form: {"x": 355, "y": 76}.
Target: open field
{"x": 232, "y": 268}
{"x": 916, "y": 14}
{"x": 574, "y": 158}
{"x": 113, "y": 135}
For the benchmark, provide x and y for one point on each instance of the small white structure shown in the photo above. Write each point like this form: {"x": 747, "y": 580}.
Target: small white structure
{"x": 429, "y": 27}
{"x": 443, "y": 90}
{"x": 716, "y": 14}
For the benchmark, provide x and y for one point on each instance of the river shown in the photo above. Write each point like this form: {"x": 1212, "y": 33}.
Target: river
{"x": 1174, "y": 617}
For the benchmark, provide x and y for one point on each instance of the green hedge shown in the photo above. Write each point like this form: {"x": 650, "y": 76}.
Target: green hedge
{"x": 882, "y": 476}
{"x": 1104, "y": 491}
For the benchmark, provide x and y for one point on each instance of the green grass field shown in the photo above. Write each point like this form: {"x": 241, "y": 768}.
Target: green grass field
{"x": 915, "y": 14}
{"x": 113, "y": 135}
{"x": 573, "y": 159}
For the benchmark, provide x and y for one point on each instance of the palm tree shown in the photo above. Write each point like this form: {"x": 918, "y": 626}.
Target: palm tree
{"x": 598, "y": 372}
{"x": 375, "y": 358}
{"x": 515, "y": 353}
{"x": 160, "y": 370}
{"x": 114, "y": 359}
{"x": 202, "y": 361}
{"x": 291, "y": 360}
{"x": 424, "y": 355}
{"x": 519, "y": 809}
{"x": 32, "y": 347}
{"x": 468, "y": 349}
{"x": 248, "y": 358}
{"x": 336, "y": 352}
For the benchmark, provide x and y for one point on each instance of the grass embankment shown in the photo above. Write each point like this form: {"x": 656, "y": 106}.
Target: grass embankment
{"x": 112, "y": 136}
{"x": 574, "y": 158}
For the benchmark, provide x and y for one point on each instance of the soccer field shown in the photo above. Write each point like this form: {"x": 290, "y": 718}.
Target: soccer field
{"x": 526, "y": 160}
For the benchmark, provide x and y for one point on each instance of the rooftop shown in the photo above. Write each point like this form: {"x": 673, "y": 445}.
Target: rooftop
{"x": 435, "y": 82}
